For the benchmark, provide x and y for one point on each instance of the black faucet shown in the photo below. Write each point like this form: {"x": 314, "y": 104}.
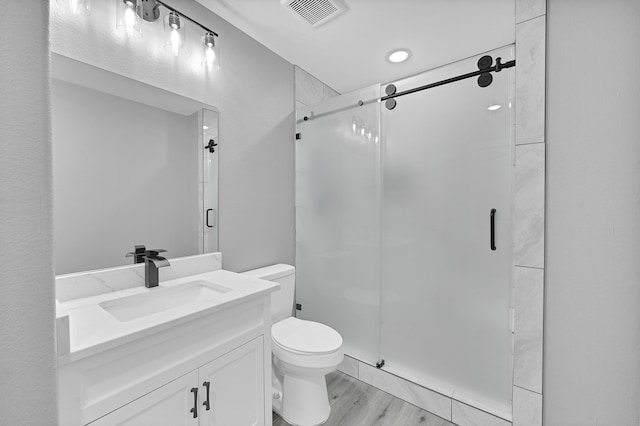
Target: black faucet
{"x": 151, "y": 264}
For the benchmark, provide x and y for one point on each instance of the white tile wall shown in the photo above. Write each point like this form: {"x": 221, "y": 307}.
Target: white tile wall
{"x": 349, "y": 366}
{"x": 433, "y": 402}
{"x": 528, "y": 9}
{"x": 527, "y": 407}
{"x": 530, "y": 81}
{"x": 465, "y": 415}
{"x": 529, "y": 206}
{"x": 527, "y": 368}
{"x": 308, "y": 89}
{"x": 529, "y": 226}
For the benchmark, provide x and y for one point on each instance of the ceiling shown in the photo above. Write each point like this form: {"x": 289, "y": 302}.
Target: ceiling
{"x": 350, "y": 52}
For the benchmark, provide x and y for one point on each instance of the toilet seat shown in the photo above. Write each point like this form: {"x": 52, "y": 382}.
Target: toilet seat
{"x": 306, "y": 344}
{"x": 305, "y": 337}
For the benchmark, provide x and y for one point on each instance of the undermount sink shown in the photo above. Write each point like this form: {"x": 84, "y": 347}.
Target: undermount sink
{"x": 160, "y": 299}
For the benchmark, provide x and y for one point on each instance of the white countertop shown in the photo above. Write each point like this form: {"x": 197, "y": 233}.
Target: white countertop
{"x": 91, "y": 329}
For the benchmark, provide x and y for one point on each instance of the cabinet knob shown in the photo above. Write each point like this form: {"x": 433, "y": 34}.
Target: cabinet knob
{"x": 194, "y": 410}
{"x": 206, "y": 402}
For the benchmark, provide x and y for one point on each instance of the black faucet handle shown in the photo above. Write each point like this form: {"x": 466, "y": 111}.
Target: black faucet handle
{"x": 153, "y": 253}
{"x": 138, "y": 253}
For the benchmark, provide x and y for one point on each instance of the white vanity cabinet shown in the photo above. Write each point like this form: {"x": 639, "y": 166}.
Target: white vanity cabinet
{"x": 225, "y": 392}
{"x": 169, "y": 405}
{"x": 236, "y": 383}
{"x": 151, "y": 376}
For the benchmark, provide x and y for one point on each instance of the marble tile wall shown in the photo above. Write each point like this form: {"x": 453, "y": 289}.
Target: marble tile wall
{"x": 309, "y": 90}
{"x": 349, "y": 366}
{"x": 527, "y": 362}
{"x": 530, "y": 92}
{"x": 528, "y": 9}
{"x": 465, "y": 415}
{"x": 445, "y": 406}
{"x": 527, "y": 407}
{"x": 528, "y": 225}
{"x": 427, "y": 399}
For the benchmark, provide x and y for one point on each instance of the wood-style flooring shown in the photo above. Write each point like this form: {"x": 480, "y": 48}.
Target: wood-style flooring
{"x": 355, "y": 403}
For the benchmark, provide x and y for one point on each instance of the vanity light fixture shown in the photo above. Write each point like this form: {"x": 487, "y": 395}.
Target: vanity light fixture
{"x": 131, "y": 13}
{"x": 494, "y": 107}
{"x": 399, "y": 55}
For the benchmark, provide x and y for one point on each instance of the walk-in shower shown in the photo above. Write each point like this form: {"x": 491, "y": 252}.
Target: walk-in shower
{"x": 403, "y": 228}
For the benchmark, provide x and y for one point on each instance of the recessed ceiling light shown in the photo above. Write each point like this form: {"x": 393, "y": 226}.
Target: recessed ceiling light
{"x": 399, "y": 55}
{"x": 205, "y": 127}
{"x": 494, "y": 107}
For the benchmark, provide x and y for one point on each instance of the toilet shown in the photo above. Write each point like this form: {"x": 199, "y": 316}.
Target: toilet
{"x": 303, "y": 352}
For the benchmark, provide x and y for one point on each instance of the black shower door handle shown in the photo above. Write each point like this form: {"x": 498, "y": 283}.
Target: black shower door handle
{"x": 493, "y": 228}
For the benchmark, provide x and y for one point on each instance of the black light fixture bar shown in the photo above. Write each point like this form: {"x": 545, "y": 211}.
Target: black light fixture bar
{"x": 495, "y": 68}
{"x": 182, "y": 15}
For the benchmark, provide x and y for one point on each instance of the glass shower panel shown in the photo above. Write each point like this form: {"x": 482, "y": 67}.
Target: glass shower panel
{"x": 338, "y": 218}
{"x": 210, "y": 151}
{"x": 445, "y": 293}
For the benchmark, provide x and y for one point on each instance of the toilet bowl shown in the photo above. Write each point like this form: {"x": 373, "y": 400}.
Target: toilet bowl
{"x": 303, "y": 352}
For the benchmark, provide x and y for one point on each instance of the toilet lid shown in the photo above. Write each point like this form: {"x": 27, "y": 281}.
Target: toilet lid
{"x": 302, "y": 336}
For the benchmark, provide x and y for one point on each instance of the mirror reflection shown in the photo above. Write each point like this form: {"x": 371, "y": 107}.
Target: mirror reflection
{"x": 132, "y": 164}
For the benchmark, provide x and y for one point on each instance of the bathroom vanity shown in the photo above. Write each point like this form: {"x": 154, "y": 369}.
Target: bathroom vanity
{"x": 196, "y": 350}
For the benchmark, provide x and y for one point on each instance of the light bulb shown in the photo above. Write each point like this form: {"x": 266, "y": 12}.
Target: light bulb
{"x": 74, "y": 6}
{"x": 210, "y": 55}
{"x": 175, "y": 42}
{"x": 127, "y": 19}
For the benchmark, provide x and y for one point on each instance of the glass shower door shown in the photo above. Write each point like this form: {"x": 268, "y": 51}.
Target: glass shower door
{"x": 338, "y": 218}
{"x": 445, "y": 292}
{"x": 209, "y": 151}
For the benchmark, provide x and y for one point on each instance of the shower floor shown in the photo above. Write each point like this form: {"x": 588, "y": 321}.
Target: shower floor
{"x": 355, "y": 403}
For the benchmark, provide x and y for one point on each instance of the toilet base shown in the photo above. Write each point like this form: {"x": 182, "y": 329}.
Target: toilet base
{"x": 304, "y": 396}
{"x": 305, "y": 401}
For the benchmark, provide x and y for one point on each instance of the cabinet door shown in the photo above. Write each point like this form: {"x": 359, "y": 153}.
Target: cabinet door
{"x": 169, "y": 405}
{"x": 236, "y": 387}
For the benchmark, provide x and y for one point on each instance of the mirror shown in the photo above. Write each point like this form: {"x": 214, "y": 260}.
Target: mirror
{"x": 132, "y": 164}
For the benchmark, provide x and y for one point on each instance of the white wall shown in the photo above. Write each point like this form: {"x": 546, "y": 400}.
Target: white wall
{"x": 27, "y": 350}
{"x": 592, "y": 306}
{"x": 254, "y": 93}
{"x": 124, "y": 173}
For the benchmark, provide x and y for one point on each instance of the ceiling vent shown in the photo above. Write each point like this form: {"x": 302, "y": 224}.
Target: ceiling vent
{"x": 315, "y": 12}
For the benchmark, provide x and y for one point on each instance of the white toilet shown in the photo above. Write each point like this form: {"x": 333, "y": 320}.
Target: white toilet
{"x": 303, "y": 352}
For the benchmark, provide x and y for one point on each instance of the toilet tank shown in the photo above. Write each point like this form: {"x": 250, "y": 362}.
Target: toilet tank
{"x": 282, "y": 299}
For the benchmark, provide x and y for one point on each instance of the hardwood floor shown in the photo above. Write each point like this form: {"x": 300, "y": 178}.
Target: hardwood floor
{"x": 355, "y": 403}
